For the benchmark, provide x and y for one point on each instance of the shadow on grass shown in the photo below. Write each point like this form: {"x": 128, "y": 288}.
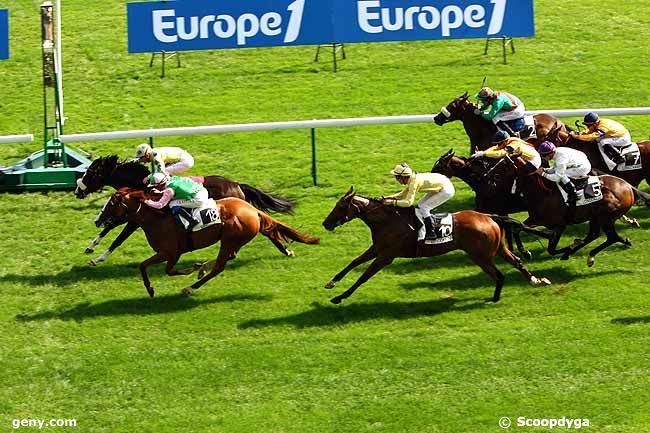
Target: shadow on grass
{"x": 330, "y": 315}
{"x": 557, "y": 275}
{"x": 136, "y": 307}
{"x": 79, "y": 273}
{"x": 631, "y": 320}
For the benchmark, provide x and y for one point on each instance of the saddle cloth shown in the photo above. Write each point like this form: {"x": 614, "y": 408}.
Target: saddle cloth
{"x": 205, "y": 216}
{"x": 630, "y": 153}
{"x": 443, "y": 228}
{"x": 587, "y": 189}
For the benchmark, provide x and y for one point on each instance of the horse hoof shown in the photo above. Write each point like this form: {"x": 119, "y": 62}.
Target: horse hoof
{"x": 627, "y": 242}
{"x": 565, "y": 257}
{"x": 151, "y": 291}
{"x": 187, "y": 291}
{"x": 290, "y": 253}
{"x": 590, "y": 261}
{"x": 335, "y": 301}
{"x": 89, "y": 251}
{"x": 331, "y": 284}
{"x": 92, "y": 262}
{"x": 528, "y": 255}
{"x": 545, "y": 282}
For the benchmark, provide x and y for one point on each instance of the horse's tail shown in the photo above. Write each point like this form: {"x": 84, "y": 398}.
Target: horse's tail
{"x": 516, "y": 226}
{"x": 274, "y": 229}
{"x": 265, "y": 201}
{"x": 640, "y": 197}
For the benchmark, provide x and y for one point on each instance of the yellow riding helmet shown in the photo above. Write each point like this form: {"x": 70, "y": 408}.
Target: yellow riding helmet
{"x": 142, "y": 150}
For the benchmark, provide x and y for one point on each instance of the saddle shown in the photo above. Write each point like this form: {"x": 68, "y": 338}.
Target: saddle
{"x": 630, "y": 154}
{"x": 588, "y": 190}
{"x": 443, "y": 228}
{"x": 202, "y": 217}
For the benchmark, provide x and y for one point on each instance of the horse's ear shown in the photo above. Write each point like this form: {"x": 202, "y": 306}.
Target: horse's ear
{"x": 465, "y": 95}
{"x": 350, "y": 191}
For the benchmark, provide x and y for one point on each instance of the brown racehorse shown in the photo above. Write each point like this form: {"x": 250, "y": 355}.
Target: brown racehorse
{"x": 546, "y": 207}
{"x": 479, "y": 130}
{"x": 240, "y": 223}
{"x": 560, "y": 136}
{"x": 479, "y": 235}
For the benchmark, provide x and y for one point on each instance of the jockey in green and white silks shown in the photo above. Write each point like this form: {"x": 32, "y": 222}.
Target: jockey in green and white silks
{"x": 179, "y": 192}
{"x": 168, "y": 160}
{"x": 506, "y": 110}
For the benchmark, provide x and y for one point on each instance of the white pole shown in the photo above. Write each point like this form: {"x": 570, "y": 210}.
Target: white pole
{"x": 59, "y": 69}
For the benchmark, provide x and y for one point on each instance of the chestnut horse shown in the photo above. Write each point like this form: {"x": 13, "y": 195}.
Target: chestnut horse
{"x": 481, "y": 236}
{"x": 111, "y": 171}
{"x": 546, "y": 206}
{"x": 240, "y": 223}
{"x": 479, "y": 130}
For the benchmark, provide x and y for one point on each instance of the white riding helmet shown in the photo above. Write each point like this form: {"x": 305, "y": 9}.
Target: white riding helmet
{"x": 402, "y": 169}
{"x": 142, "y": 150}
{"x": 156, "y": 179}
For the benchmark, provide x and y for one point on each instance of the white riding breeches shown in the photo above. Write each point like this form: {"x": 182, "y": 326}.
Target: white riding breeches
{"x": 517, "y": 113}
{"x": 184, "y": 164}
{"x": 199, "y": 200}
{"x": 580, "y": 171}
{"x": 431, "y": 200}
{"x": 536, "y": 161}
{"x": 616, "y": 141}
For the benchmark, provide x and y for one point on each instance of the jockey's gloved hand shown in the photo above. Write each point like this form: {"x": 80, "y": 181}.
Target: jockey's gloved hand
{"x": 477, "y": 111}
{"x": 478, "y": 154}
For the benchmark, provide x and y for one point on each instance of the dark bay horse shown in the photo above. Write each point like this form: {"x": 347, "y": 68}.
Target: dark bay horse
{"x": 479, "y": 235}
{"x": 560, "y": 136}
{"x": 111, "y": 171}
{"x": 241, "y": 222}
{"x": 479, "y": 130}
{"x": 546, "y": 207}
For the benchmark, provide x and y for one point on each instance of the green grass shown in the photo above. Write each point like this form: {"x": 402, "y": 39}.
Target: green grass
{"x": 260, "y": 348}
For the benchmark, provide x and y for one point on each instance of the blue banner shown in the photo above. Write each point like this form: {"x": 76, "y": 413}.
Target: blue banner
{"x": 4, "y": 34}
{"x": 211, "y": 24}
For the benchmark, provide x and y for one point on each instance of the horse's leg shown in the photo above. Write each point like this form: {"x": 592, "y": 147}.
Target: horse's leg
{"x": 631, "y": 221}
{"x": 91, "y": 247}
{"x": 172, "y": 272}
{"x": 487, "y": 264}
{"x": 281, "y": 247}
{"x": 369, "y": 254}
{"x": 515, "y": 261}
{"x": 594, "y": 233}
{"x": 127, "y": 231}
{"x": 612, "y": 238}
{"x": 156, "y": 258}
{"x": 226, "y": 253}
{"x": 378, "y": 264}
{"x": 553, "y": 241}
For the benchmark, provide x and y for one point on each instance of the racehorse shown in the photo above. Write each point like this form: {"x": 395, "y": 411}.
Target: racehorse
{"x": 111, "y": 171}
{"x": 241, "y": 222}
{"x": 559, "y": 135}
{"x": 546, "y": 207}
{"x": 479, "y": 130}
{"x": 393, "y": 235}
{"x": 493, "y": 198}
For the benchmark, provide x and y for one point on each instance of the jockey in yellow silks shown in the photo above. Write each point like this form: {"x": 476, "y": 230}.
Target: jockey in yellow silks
{"x": 438, "y": 189}
{"x": 168, "y": 160}
{"x": 608, "y": 133}
{"x": 506, "y": 145}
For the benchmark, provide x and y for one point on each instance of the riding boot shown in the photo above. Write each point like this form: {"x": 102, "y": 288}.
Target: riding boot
{"x": 428, "y": 225}
{"x": 181, "y": 212}
{"x": 613, "y": 153}
{"x": 572, "y": 196}
{"x": 503, "y": 125}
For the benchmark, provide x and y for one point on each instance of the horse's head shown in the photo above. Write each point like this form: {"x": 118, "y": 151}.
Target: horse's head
{"x": 444, "y": 164}
{"x": 95, "y": 176}
{"x": 119, "y": 207}
{"x": 455, "y": 110}
{"x": 505, "y": 170}
{"x": 347, "y": 208}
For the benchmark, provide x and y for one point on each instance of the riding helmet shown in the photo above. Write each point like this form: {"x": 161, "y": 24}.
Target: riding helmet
{"x": 546, "y": 147}
{"x": 402, "y": 169}
{"x": 591, "y": 118}
{"x": 485, "y": 93}
{"x": 142, "y": 150}
{"x": 500, "y": 136}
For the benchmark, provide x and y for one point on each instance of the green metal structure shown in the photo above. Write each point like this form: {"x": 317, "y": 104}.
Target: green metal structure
{"x": 56, "y": 166}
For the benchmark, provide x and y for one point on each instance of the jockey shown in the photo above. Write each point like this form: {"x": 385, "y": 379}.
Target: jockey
{"x": 506, "y": 145}
{"x": 168, "y": 160}
{"x": 507, "y": 110}
{"x": 438, "y": 189}
{"x": 185, "y": 194}
{"x": 608, "y": 133}
{"x": 565, "y": 163}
